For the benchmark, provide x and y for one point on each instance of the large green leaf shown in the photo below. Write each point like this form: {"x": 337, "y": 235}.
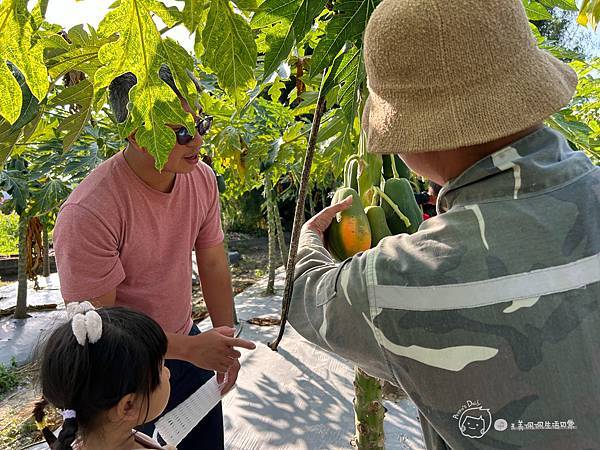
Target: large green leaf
{"x": 229, "y": 49}
{"x": 79, "y": 54}
{"x": 8, "y": 138}
{"x": 15, "y": 183}
{"x": 589, "y": 13}
{"x": 10, "y": 134}
{"x": 141, "y": 50}
{"x": 536, "y": 11}
{"x": 17, "y": 46}
{"x": 575, "y": 131}
{"x": 80, "y": 95}
{"x": 294, "y": 18}
{"x": 192, "y": 14}
{"x": 347, "y": 25}
{"x": 563, "y": 4}
{"x": 49, "y": 197}
{"x": 351, "y": 75}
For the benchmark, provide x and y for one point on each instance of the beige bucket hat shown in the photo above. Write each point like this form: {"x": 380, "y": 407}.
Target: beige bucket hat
{"x": 444, "y": 74}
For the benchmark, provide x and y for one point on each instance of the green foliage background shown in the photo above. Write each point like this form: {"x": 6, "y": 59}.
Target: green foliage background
{"x": 256, "y": 67}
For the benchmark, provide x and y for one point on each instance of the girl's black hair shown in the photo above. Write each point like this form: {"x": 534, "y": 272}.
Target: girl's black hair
{"x": 92, "y": 378}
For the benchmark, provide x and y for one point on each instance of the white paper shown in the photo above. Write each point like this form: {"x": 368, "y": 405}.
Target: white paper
{"x": 175, "y": 425}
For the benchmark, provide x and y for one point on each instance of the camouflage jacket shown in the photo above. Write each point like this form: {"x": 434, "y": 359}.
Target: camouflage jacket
{"x": 488, "y": 316}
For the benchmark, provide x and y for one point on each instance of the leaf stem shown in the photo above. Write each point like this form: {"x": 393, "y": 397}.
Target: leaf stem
{"x": 394, "y": 207}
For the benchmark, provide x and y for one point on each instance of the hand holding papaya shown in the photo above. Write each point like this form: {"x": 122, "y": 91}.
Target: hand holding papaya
{"x": 321, "y": 221}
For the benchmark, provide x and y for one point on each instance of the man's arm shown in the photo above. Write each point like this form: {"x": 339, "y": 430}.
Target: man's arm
{"x": 213, "y": 350}
{"x": 330, "y": 305}
{"x": 213, "y": 268}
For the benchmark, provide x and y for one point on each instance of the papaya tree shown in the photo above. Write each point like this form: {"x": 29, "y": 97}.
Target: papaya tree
{"x": 288, "y": 71}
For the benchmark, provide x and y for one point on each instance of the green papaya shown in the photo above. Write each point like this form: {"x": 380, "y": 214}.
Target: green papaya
{"x": 399, "y": 190}
{"x": 349, "y": 232}
{"x": 378, "y": 224}
{"x": 401, "y": 168}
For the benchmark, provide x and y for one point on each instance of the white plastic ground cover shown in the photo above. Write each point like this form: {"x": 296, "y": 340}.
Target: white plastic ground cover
{"x": 299, "y": 398}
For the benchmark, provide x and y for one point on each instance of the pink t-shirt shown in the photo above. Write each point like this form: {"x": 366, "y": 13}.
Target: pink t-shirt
{"x": 114, "y": 231}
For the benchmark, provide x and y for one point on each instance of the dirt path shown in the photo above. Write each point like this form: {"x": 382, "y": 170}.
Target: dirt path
{"x": 17, "y": 429}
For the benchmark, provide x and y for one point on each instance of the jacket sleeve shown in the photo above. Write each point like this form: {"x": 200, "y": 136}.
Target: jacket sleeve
{"x": 330, "y": 305}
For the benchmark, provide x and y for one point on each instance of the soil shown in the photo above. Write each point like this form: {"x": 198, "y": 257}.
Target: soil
{"x": 17, "y": 428}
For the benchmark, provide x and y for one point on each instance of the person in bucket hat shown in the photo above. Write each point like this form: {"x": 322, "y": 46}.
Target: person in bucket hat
{"x": 489, "y": 315}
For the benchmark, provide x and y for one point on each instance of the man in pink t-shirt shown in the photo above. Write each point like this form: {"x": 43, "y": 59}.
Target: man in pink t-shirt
{"x": 125, "y": 237}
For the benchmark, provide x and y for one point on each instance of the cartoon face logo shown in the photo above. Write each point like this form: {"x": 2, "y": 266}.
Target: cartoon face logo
{"x": 474, "y": 423}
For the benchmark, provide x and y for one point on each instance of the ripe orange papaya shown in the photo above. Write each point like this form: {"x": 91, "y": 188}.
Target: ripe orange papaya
{"x": 349, "y": 232}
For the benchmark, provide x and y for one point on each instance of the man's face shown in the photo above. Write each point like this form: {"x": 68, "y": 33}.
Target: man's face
{"x": 184, "y": 158}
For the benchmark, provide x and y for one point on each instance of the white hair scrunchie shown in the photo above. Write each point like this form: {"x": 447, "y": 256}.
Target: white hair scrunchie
{"x": 85, "y": 322}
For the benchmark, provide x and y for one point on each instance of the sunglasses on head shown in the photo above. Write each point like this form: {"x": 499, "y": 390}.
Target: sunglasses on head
{"x": 202, "y": 126}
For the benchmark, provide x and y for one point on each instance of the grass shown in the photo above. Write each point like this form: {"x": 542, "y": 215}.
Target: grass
{"x": 9, "y": 377}
{"x": 9, "y": 234}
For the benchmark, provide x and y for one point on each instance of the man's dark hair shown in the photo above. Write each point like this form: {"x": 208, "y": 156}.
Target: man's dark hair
{"x": 118, "y": 91}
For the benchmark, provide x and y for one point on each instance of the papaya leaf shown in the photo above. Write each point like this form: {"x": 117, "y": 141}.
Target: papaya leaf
{"x": 192, "y": 14}
{"x": 351, "y": 75}
{"x": 141, "y": 50}
{"x": 568, "y": 5}
{"x": 15, "y": 183}
{"x": 10, "y": 134}
{"x": 229, "y": 49}
{"x": 80, "y": 95}
{"x": 271, "y": 155}
{"x": 49, "y": 197}
{"x": 535, "y": 11}
{"x": 10, "y": 100}
{"x": 16, "y": 36}
{"x": 589, "y": 13}
{"x": 246, "y": 5}
{"x": 80, "y": 54}
{"x": 8, "y": 138}
{"x": 347, "y": 25}
{"x": 296, "y": 16}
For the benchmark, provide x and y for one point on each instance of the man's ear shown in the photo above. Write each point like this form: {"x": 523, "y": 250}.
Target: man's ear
{"x": 131, "y": 138}
{"x": 134, "y": 143}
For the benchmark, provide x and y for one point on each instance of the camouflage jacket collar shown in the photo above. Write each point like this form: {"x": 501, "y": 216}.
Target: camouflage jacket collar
{"x": 537, "y": 163}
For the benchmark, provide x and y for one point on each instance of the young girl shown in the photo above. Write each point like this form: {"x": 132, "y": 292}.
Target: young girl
{"x": 105, "y": 370}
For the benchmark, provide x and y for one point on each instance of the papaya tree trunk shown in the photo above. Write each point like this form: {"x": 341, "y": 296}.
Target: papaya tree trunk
{"x": 299, "y": 218}
{"x": 283, "y": 250}
{"x": 311, "y": 205}
{"x": 46, "y": 256}
{"x": 272, "y": 237}
{"x": 369, "y": 412}
{"x": 21, "y": 309}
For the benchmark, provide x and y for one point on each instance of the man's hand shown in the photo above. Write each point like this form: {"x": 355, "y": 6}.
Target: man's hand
{"x": 228, "y": 380}
{"x": 215, "y": 349}
{"x": 322, "y": 220}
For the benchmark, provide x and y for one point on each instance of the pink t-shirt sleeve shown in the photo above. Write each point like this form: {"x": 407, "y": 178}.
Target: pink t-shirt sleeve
{"x": 87, "y": 255}
{"x": 211, "y": 232}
